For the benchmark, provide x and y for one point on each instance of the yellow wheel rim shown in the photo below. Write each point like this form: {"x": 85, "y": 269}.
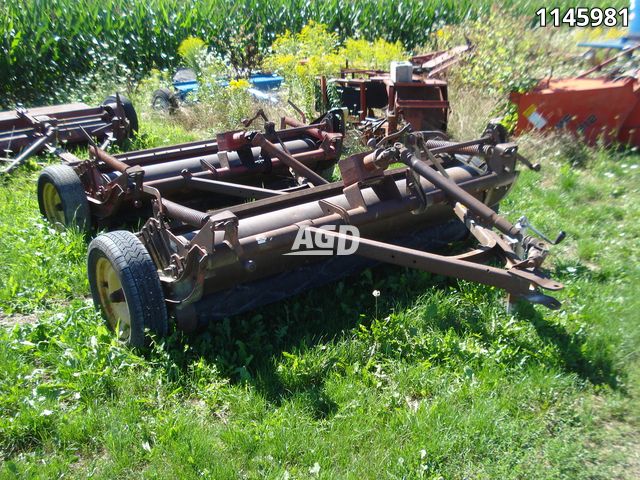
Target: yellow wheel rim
{"x": 52, "y": 204}
{"x": 112, "y": 298}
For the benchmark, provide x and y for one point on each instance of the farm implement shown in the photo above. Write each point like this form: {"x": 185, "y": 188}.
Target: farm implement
{"x": 381, "y": 102}
{"x": 422, "y": 103}
{"x": 601, "y": 104}
{"x": 194, "y": 265}
{"x": 107, "y": 190}
{"x": 28, "y": 132}
{"x": 598, "y": 108}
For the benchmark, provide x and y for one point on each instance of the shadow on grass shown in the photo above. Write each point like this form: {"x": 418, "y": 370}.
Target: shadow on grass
{"x": 249, "y": 348}
{"x": 598, "y": 370}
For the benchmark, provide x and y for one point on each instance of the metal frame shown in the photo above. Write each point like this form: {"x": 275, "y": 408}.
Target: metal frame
{"x": 237, "y": 165}
{"x": 32, "y": 131}
{"x": 422, "y": 103}
{"x": 198, "y": 253}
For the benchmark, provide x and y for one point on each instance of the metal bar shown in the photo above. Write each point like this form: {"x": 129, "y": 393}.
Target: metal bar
{"x": 326, "y": 191}
{"x": 300, "y": 112}
{"x": 175, "y": 181}
{"x": 312, "y": 155}
{"x": 233, "y": 189}
{"x": 298, "y": 167}
{"x": 608, "y": 61}
{"x": 142, "y": 157}
{"x": 438, "y": 264}
{"x": 316, "y": 130}
{"x": 452, "y": 190}
{"x": 422, "y": 104}
{"x": 299, "y": 127}
{"x": 33, "y": 149}
{"x": 110, "y": 160}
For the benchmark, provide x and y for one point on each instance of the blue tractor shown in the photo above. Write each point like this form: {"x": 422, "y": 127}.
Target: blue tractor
{"x": 185, "y": 84}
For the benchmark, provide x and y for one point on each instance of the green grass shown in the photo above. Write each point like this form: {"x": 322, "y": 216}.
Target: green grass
{"x": 40, "y": 265}
{"x": 433, "y": 381}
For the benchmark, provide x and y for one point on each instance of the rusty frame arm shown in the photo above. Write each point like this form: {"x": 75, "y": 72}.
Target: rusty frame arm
{"x": 300, "y": 168}
{"x": 517, "y": 283}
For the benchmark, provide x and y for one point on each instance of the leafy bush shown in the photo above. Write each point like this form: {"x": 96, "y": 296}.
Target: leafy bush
{"x": 193, "y": 51}
{"x": 374, "y": 55}
{"x": 316, "y": 50}
{"x": 311, "y": 52}
{"x": 241, "y": 51}
{"x": 507, "y": 56}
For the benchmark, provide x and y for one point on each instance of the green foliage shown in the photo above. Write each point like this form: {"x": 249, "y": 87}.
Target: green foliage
{"x": 242, "y": 50}
{"x": 40, "y": 264}
{"x": 507, "y": 57}
{"x": 301, "y": 57}
{"x": 52, "y": 46}
{"x": 372, "y": 55}
{"x": 501, "y": 62}
{"x": 193, "y": 51}
{"x": 310, "y": 52}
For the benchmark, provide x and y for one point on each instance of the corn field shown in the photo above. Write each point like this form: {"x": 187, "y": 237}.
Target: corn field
{"x": 51, "y": 46}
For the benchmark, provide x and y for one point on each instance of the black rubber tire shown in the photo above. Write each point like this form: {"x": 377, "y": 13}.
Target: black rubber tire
{"x": 164, "y": 99}
{"x": 129, "y": 111}
{"x": 74, "y": 203}
{"x": 140, "y": 283}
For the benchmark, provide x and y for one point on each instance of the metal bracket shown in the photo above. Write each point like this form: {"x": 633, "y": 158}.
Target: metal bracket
{"x": 208, "y": 166}
{"x": 330, "y": 208}
{"x": 259, "y": 114}
{"x": 414, "y": 186}
{"x": 223, "y": 158}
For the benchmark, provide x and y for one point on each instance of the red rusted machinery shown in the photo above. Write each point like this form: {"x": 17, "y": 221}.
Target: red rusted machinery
{"x": 421, "y": 103}
{"x": 435, "y": 64}
{"x": 193, "y": 265}
{"x": 108, "y": 190}
{"x": 418, "y": 97}
{"x": 605, "y": 108}
{"x": 27, "y": 132}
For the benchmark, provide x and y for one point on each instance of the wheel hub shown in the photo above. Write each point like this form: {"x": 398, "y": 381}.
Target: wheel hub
{"x": 52, "y": 204}
{"x": 112, "y": 298}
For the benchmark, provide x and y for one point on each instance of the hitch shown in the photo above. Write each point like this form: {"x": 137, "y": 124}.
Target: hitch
{"x": 523, "y": 254}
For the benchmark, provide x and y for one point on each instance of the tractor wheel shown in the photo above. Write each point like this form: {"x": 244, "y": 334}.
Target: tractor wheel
{"x": 62, "y": 198}
{"x": 126, "y": 288}
{"x": 165, "y": 100}
{"x": 129, "y": 111}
